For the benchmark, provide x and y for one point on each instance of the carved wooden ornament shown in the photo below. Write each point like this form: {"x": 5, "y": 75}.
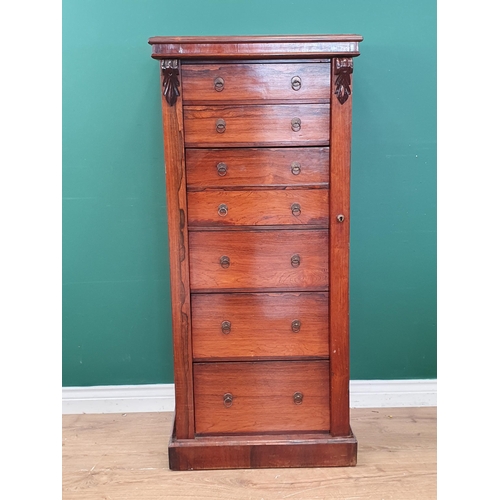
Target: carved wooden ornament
{"x": 343, "y": 70}
{"x": 170, "y": 70}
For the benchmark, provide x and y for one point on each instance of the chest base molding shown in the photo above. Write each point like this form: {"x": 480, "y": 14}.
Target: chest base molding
{"x": 262, "y": 452}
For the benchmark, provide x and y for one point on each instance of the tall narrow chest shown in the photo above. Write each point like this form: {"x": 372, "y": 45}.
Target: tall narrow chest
{"x": 257, "y": 136}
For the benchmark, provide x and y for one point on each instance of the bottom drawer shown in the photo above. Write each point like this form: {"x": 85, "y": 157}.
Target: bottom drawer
{"x": 264, "y": 396}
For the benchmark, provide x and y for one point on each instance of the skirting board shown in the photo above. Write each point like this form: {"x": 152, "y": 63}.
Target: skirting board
{"x": 160, "y": 397}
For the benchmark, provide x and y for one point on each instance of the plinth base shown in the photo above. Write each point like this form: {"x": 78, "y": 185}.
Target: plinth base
{"x": 260, "y": 452}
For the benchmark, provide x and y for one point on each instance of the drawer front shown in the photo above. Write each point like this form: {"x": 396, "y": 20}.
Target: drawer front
{"x": 274, "y": 396}
{"x": 220, "y": 168}
{"x": 259, "y": 325}
{"x": 252, "y": 260}
{"x": 253, "y": 81}
{"x": 273, "y": 125}
{"x": 258, "y": 208}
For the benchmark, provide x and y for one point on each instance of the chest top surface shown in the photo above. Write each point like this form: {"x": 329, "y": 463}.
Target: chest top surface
{"x": 248, "y": 47}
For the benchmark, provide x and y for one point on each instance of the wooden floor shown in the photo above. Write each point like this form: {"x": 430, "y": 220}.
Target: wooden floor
{"x": 115, "y": 456}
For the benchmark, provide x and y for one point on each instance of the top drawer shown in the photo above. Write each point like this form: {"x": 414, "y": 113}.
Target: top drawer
{"x": 253, "y": 81}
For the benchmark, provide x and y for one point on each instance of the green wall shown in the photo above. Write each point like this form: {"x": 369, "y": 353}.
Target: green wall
{"x": 116, "y": 322}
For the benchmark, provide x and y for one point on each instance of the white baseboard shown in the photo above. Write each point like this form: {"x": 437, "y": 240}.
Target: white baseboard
{"x": 118, "y": 399}
{"x": 393, "y": 393}
{"x": 160, "y": 397}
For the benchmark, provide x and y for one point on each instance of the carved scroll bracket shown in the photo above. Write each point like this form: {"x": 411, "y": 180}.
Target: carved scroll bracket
{"x": 170, "y": 70}
{"x": 343, "y": 69}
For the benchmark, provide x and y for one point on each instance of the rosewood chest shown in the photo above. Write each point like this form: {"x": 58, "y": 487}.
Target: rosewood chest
{"x": 257, "y": 135}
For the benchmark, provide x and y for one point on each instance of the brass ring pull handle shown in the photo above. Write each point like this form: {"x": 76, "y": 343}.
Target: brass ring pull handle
{"x": 228, "y": 399}
{"x": 297, "y": 398}
{"x": 340, "y": 218}
{"x": 225, "y": 262}
{"x": 296, "y": 124}
{"x": 219, "y": 84}
{"x": 295, "y": 260}
{"x": 296, "y": 83}
{"x": 226, "y": 327}
{"x": 221, "y": 169}
{"x": 222, "y": 210}
{"x": 295, "y": 207}
{"x": 296, "y": 326}
{"x": 295, "y": 168}
{"x": 220, "y": 126}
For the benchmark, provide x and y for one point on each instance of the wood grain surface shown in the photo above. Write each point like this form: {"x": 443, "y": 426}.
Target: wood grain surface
{"x": 259, "y": 260}
{"x": 255, "y": 82}
{"x": 259, "y": 125}
{"x": 262, "y": 451}
{"x": 125, "y": 456}
{"x": 258, "y": 208}
{"x": 250, "y": 168}
{"x": 340, "y": 176}
{"x": 175, "y": 178}
{"x": 262, "y": 397}
{"x": 260, "y": 325}
{"x": 255, "y": 46}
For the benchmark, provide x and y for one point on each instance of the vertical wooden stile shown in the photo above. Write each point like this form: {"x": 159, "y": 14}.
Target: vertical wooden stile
{"x": 340, "y": 170}
{"x": 173, "y": 138}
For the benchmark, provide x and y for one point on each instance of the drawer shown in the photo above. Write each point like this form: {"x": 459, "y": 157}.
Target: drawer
{"x": 259, "y": 325}
{"x": 258, "y": 208}
{"x": 279, "y": 260}
{"x": 234, "y": 167}
{"x": 265, "y": 396}
{"x": 259, "y": 125}
{"x": 254, "y": 81}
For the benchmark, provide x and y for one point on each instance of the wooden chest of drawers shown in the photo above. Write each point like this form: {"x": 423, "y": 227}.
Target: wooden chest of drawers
{"x": 257, "y": 162}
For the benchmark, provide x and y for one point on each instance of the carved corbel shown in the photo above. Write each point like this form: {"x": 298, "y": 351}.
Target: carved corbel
{"x": 170, "y": 70}
{"x": 343, "y": 69}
